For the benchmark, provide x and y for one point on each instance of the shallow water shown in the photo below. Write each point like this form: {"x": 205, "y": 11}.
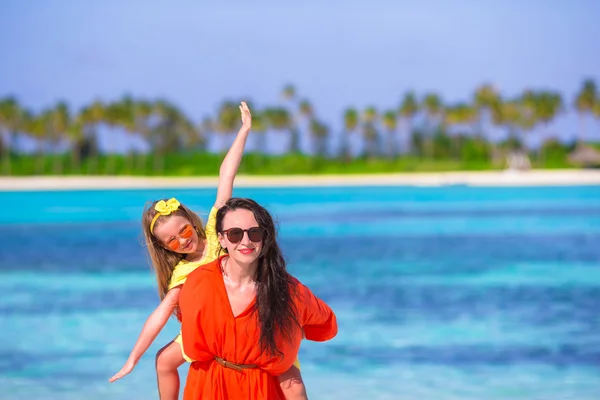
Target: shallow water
{"x": 441, "y": 293}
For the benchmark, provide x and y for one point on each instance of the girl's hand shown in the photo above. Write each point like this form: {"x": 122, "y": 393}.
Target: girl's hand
{"x": 127, "y": 368}
{"x": 246, "y": 116}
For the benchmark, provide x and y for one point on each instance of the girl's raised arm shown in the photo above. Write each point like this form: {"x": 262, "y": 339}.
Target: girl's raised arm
{"x": 231, "y": 162}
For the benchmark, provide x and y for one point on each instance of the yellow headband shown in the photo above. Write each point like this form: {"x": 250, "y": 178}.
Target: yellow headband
{"x": 164, "y": 208}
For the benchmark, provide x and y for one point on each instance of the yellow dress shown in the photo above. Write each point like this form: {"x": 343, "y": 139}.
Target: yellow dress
{"x": 184, "y": 267}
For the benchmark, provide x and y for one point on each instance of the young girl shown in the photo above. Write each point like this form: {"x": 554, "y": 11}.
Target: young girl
{"x": 178, "y": 245}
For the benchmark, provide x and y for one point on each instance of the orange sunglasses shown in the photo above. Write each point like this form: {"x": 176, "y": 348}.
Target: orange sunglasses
{"x": 185, "y": 233}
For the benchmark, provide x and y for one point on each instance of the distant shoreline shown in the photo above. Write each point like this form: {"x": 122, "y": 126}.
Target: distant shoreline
{"x": 483, "y": 178}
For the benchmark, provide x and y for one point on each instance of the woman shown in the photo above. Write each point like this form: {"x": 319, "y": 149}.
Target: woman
{"x": 243, "y": 315}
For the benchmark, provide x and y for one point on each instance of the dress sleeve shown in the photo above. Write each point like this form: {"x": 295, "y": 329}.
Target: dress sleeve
{"x": 212, "y": 242}
{"x": 317, "y": 319}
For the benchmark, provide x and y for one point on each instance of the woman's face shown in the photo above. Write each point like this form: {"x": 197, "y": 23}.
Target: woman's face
{"x": 177, "y": 234}
{"x": 244, "y": 247}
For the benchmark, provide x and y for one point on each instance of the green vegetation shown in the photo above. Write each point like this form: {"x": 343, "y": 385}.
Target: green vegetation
{"x": 420, "y": 134}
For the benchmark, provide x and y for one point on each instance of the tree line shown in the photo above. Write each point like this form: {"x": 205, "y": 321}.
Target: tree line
{"x": 420, "y": 127}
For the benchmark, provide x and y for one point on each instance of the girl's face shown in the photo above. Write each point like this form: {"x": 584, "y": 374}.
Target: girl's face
{"x": 245, "y": 246}
{"x": 177, "y": 234}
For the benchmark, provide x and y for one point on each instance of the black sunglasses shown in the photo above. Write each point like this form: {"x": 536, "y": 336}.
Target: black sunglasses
{"x": 235, "y": 235}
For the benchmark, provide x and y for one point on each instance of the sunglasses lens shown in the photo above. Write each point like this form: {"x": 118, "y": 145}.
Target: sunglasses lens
{"x": 173, "y": 244}
{"x": 255, "y": 234}
{"x": 235, "y": 235}
{"x": 187, "y": 232}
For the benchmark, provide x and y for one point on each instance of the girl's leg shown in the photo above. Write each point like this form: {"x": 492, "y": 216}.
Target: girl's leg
{"x": 292, "y": 385}
{"x": 168, "y": 359}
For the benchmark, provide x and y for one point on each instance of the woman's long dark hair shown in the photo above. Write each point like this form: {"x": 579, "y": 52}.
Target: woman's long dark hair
{"x": 275, "y": 287}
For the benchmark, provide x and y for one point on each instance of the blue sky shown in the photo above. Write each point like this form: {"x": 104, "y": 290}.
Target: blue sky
{"x": 337, "y": 53}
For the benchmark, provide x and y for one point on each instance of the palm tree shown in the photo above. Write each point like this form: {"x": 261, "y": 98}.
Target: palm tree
{"x": 433, "y": 107}
{"x": 74, "y": 134}
{"x": 160, "y": 132}
{"x": 121, "y": 116}
{"x": 304, "y": 116}
{"x": 115, "y": 117}
{"x": 59, "y": 120}
{"x": 189, "y": 136}
{"x": 259, "y": 128}
{"x": 517, "y": 116}
{"x": 40, "y": 128}
{"x": 227, "y": 118}
{"x": 509, "y": 114}
{"x": 585, "y": 102}
{"x": 528, "y": 105}
{"x": 135, "y": 116}
{"x": 90, "y": 118}
{"x": 409, "y": 107}
{"x": 484, "y": 100}
{"x": 548, "y": 105}
{"x": 350, "y": 125}
{"x": 534, "y": 106}
{"x": 305, "y": 109}
{"x": 288, "y": 93}
{"x": 278, "y": 118}
{"x": 12, "y": 121}
{"x": 370, "y": 133}
{"x": 319, "y": 132}
{"x": 459, "y": 116}
{"x": 389, "y": 122}
{"x": 207, "y": 128}
{"x": 37, "y": 128}
{"x": 174, "y": 131}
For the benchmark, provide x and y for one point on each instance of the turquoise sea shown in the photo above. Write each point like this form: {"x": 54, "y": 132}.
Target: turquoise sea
{"x": 441, "y": 293}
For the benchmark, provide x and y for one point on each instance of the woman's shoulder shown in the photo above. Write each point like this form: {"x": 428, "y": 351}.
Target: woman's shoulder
{"x": 302, "y": 295}
{"x": 296, "y": 283}
{"x": 204, "y": 271}
{"x": 298, "y": 289}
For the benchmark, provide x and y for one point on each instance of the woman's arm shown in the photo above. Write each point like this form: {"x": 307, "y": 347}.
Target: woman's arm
{"x": 231, "y": 162}
{"x": 154, "y": 324}
{"x": 317, "y": 319}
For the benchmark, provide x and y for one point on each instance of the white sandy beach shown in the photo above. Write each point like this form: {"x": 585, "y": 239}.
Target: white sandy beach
{"x": 487, "y": 178}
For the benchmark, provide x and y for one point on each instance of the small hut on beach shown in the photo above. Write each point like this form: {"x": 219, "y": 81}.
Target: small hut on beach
{"x": 585, "y": 156}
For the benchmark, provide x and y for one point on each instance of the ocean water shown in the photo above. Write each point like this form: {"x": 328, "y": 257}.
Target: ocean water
{"x": 441, "y": 293}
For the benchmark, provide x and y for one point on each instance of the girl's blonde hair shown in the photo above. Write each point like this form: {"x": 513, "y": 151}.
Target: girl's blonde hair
{"x": 164, "y": 260}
